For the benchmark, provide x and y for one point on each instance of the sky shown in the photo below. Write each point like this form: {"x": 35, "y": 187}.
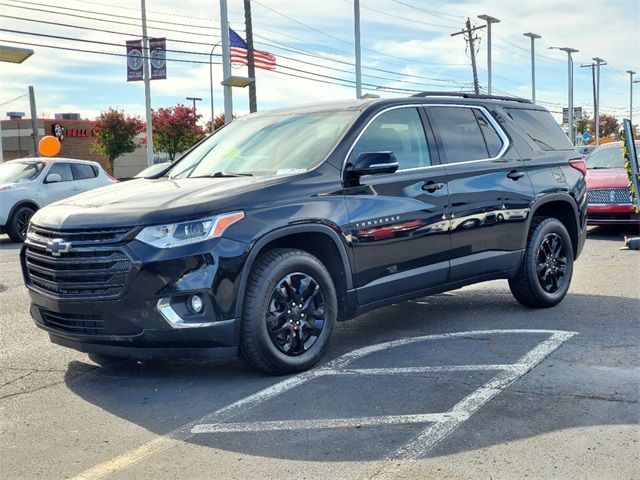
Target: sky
{"x": 406, "y": 46}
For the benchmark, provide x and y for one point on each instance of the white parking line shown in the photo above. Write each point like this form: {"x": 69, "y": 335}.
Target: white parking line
{"x": 443, "y": 423}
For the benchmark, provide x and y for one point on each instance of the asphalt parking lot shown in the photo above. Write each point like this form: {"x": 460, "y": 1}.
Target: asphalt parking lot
{"x": 467, "y": 384}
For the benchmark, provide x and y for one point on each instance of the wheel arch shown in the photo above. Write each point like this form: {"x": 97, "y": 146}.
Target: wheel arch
{"x": 321, "y": 241}
{"x": 562, "y": 207}
{"x": 22, "y": 203}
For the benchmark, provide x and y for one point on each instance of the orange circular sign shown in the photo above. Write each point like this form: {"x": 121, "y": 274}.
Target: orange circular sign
{"x": 49, "y": 146}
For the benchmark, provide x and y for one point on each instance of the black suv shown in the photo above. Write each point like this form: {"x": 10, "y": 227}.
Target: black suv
{"x": 269, "y": 231}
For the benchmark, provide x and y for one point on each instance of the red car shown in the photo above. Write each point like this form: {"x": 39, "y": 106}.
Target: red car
{"x": 608, "y": 187}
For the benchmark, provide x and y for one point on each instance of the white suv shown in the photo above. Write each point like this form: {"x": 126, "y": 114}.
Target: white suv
{"x": 29, "y": 184}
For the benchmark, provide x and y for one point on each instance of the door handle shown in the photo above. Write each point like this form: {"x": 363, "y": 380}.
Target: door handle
{"x": 515, "y": 174}
{"x": 432, "y": 186}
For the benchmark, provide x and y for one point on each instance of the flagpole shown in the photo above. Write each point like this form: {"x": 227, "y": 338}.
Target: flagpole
{"x": 147, "y": 84}
{"x": 226, "y": 64}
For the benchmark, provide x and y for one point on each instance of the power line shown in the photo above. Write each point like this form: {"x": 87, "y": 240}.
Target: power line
{"x": 406, "y": 19}
{"x": 431, "y": 12}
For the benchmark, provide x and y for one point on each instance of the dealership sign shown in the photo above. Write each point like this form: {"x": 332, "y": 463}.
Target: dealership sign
{"x": 157, "y": 57}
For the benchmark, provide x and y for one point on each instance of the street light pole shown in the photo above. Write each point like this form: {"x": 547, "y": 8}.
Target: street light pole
{"x": 356, "y": 16}
{"x": 213, "y": 117}
{"x": 147, "y": 84}
{"x": 226, "y": 62}
{"x": 533, "y": 37}
{"x": 489, "y": 19}
{"x": 596, "y": 108}
{"x": 570, "y": 79}
{"x": 631, "y": 82}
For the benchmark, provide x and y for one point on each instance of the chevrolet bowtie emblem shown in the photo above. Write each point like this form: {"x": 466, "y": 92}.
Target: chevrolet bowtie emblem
{"x": 58, "y": 246}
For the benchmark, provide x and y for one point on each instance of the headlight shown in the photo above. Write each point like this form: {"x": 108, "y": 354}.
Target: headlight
{"x": 185, "y": 233}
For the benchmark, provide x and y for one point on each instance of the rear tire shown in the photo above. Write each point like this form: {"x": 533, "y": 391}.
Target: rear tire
{"x": 290, "y": 309}
{"x": 18, "y": 224}
{"x": 547, "y": 267}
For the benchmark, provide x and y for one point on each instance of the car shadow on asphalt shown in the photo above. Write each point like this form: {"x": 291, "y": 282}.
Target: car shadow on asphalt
{"x": 586, "y": 382}
{"x": 613, "y": 232}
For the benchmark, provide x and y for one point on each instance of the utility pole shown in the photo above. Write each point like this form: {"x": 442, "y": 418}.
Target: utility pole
{"x": 147, "y": 84}
{"x": 569, "y": 51}
{"x": 631, "y": 82}
{"x": 533, "y": 37}
{"x": 253, "y": 100}
{"x": 469, "y": 37}
{"x": 599, "y": 62}
{"x": 34, "y": 121}
{"x": 213, "y": 117}
{"x": 489, "y": 19}
{"x": 194, "y": 100}
{"x": 226, "y": 62}
{"x": 356, "y": 17}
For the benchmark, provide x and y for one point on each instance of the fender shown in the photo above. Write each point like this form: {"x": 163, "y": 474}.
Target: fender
{"x": 554, "y": 197}
{"x": 283, "y": 232}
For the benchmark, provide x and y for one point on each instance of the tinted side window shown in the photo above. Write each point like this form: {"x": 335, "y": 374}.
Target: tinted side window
{"x": 62, "y": 169}
{"x": 491, "y": 137}
{"x": 83, "y": 172}
{"x": 399, "y": 131}
{"x": 541, "y": 128}
{"x": 460, "y": 133}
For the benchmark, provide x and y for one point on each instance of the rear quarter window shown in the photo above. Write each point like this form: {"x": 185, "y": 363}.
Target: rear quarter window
{"x": 540, "y": 126}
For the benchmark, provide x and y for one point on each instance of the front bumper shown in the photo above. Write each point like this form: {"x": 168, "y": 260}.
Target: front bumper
{"x": 132, "y": 323}
{"x": 612, "y": 215}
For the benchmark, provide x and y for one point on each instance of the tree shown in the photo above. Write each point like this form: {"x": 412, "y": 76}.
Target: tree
{"x": 175, "y": 129}
{"x": 609, "y": 126}
{"x": 114, "y": 134}
{"x": 218, "y": 122}
{"x": 582, "y": 125}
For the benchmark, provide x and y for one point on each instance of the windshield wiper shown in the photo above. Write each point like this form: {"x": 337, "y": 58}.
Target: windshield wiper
{"x": 223, "y": 174}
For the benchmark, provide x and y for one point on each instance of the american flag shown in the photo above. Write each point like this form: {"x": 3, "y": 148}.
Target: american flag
{"x": 238, "y": 50}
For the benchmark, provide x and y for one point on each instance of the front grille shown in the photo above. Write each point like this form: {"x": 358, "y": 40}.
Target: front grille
{"x": 93, "y": 265}
{"x": 609, "y": 196}
{"x": 73, "y": 323}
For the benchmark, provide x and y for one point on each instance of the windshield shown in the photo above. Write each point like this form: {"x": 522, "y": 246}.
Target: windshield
{"x": 610, "y": 157}
{"x": 271, "y": 145}
{"x": 13, "y": 172}
{"x": 152, "y": 170}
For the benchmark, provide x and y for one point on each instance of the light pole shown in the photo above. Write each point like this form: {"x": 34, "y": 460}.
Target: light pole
{"x": 631, "y": 82}
{"x": 596, "y": 107}
{"x": 533, "y": 37}
{"x": 226, "y": 63}
{"x": 489, "y": 19}
{"x": 356, "y": 20}
{"x": 570, "y": 79}
{"x": 213, "y": 117}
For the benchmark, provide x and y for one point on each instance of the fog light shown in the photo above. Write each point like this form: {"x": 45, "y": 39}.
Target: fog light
{"x": 195, "y": 304}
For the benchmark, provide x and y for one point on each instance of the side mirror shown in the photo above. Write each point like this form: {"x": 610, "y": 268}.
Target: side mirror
{"x": 372, "y": 163}
{"x": 53, "y": 178}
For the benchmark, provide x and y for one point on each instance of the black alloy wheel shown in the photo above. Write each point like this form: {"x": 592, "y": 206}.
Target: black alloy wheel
{"x": 289, "y": 311}
{"x": 552, "y": 263}
{"x": 17, "y": 228}
{"x": 544, "y": 276}
{"x": 295, "y": 317}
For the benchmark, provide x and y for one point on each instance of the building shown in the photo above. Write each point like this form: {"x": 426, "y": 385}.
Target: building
{"x": 77, "y": 140}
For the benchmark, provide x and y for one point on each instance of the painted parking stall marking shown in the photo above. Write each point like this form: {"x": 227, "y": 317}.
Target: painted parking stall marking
{"x": 438, "y": 424}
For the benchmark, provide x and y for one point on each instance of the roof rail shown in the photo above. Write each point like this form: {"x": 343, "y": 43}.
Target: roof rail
{"x": 480, "y": 96}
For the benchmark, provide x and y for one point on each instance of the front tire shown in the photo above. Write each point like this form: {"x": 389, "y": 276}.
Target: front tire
{"x": 290, "y": 309}
{"x": 547, "y": 266}
{"x": 18, "y": 224}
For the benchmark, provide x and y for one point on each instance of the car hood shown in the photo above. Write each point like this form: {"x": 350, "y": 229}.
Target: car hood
{"x": 607, "y": 178}
{"x": 148, "y": 201}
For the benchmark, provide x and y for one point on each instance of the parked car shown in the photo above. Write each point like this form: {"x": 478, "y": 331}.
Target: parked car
{"x": 269, "y": 231}
{"x": 28, "y": 184}
{"x": 585, "y": 150}
{"x": 152, "y": 170}
{"x": 608, "y": 187}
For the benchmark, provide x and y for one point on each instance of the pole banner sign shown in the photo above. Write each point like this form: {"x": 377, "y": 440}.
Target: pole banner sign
{"x": 134, "y": 60}
{"x": 158, "y": 54}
